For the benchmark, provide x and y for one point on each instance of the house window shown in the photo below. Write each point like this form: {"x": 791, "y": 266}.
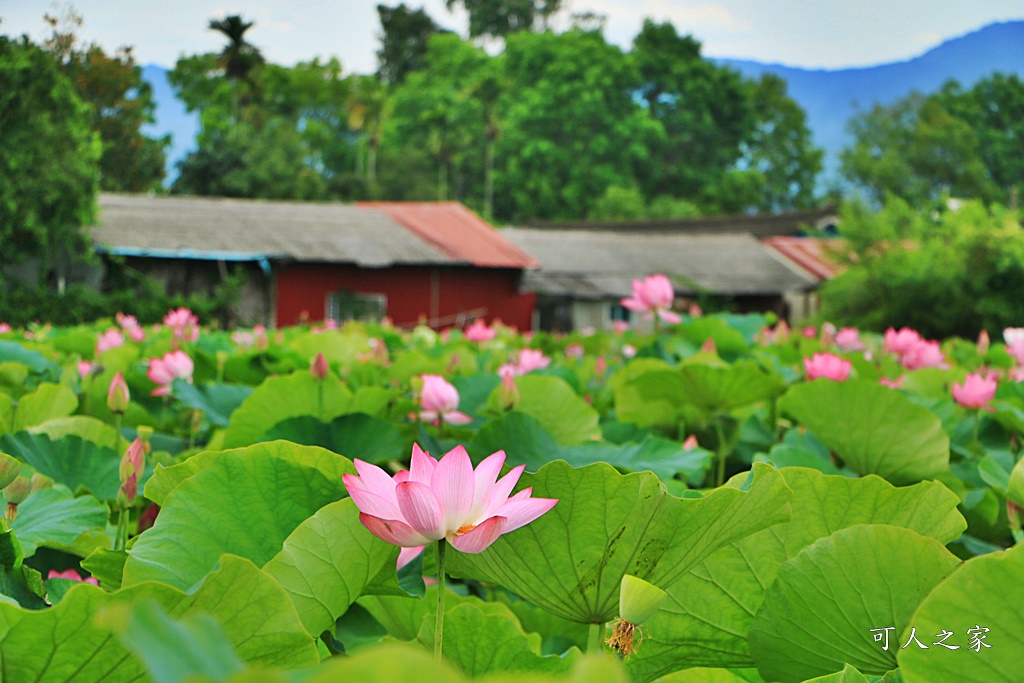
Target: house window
{"x": 619, "y": 312}
{"x": 345, "y": 305}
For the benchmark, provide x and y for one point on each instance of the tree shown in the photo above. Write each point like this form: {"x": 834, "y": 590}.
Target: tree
{"x": 403, "y": 41}
{"x": 49, "y": 166}
{"x": 501, "y": 18}
{"x": 704, "y": 110}
{"x": 916, "y": 150}
{"x": 368, "y": 108}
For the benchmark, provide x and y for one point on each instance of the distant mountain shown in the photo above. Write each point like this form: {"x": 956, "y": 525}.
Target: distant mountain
{"x": 829, "y": 97}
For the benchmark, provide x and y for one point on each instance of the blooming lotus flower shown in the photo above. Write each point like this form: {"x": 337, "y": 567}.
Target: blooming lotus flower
{"x": 110, "y": 339}
{"x": 827, "y": 365}
{"x": 4, "y": 328}
{"x": 71, "y": 575}
{"x": 926, "y": 354}
{"x": 184, "y": 324}
{"x": 440, "y": 401}
{"x": 479, "y": 332}
{"x": 526, "y": 361}
{"x": 653, "y": 295}
{"x": 1014, "y": 338}
{"x": 848, "y": 339}
{"x": 445, "y": 499}
{"x": 976, "y": 391}
{"x": 174, "y": 365}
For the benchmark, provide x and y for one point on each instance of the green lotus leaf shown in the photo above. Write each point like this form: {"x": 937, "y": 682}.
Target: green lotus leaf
{"x": 521, "y": 436}
{"x": 571, "y": 560}
{"x": 342, "y": 347}
{"x": 243, "y": 502}
{"x": 86, "y": 428}
{"x": 388, "y": 663}
{"x": 663, "y": 457}
{"x": 217, "y": 401}
{"x": 985, "y": 593}
{"x": 54, "y": 518}
{"x": 106, "y": 566}
{"x": 19, "y": 583}
{"x": 1015, "y": 488}
{"x": 727, "y": 339}
{"x": 166, "y": 479}
{"x": 280, "y": 398}
{"x": 65, "y": 643}
{"x": 560, "y": 411}
{"x": 37, "y": 362}
{"x": 709, "y": 611}
{"x": 873, "y": 429}
{"x": 482, "y": 637}
{"x": 327, "y": 562}
{"x": 355, "y": 435}
{"x": 47, "y": 402}
{"x": 80, "y": 465}
{"x": 721, "y": 389}
{"x": 703, "y": 675}
{"x": 648, "y": 392}
{"x": 828, "y": 604}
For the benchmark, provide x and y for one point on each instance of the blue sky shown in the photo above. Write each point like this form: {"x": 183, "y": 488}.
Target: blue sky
{"x": 807, "y": 33}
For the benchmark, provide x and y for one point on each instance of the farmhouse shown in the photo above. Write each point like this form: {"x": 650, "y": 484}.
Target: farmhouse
{"x": 432, "y": 262}
{"x": 587, "y": 267}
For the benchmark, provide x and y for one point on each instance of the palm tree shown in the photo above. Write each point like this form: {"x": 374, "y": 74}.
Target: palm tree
{"x": 487, "y": 90}
{"x": 239, "y": 59}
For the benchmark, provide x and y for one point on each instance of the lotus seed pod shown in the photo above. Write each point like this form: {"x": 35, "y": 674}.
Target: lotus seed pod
{"x": 10, "y": 468}
{"x": 638, "y": 599}
{"x": 41, "y": 481}
{"x": 18, "y": 490}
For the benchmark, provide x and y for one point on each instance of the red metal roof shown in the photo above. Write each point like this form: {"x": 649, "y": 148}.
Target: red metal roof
{"x": 809, "y": 253}
{"x": 457, "y": 232}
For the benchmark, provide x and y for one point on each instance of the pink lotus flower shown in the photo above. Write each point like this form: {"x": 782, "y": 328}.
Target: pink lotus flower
{"x": 926, "y": 354}
{"x": 440, "y": 401}
{"x": 983, "y": 342}
{"x": 690, "y": 443}
{"x": 110, "y": 339}
{"x": 184, "y": 324}
{"x": 444, "y": 499}
{"x": 575, "y": 351}
{"x": 653, "y": 295}
{"x": 174, "y": 365}
{"x": 479, "y": 332}
{"x": 1014, "y": 338}
{"x": 900, "y": 342}
{"x": 118, "y": 397}
{"x": 620, "y": 326}
{"x": 71, "y": 575}
{"x": 318, "y": 368}
{"x": 84, "y": 368}
{"x": 827, "y": 365}
{"x": 976, "y": 391}
{"x": 526, "y": 361}
{"x": 848, "y": 339}
{"x": 891, "y": 383}
{"x": 243, "y": 338}
{"x": 4, "y": 328}
{"x": 132, "y": 464}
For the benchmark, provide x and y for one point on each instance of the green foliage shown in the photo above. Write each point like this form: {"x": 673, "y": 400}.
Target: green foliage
{"x": 945, "y": 272}
{"x": 403, "y": 43}
{"x": 500, "y": 18}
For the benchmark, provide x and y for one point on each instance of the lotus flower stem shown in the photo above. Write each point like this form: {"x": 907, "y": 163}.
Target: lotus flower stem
{"x": 720, "y": 478}
{"x": 439, "y": 622}
{"x": 976, "y": 441}
{"x": 117, "y": 432}
{"x": 594, "y": 637}
{"x": 121, "y": 534}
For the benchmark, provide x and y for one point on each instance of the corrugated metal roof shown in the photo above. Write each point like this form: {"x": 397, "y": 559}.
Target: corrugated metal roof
{"x": 602, "y": 264}
{"x": 303, "y": 231}
{"x": 808, "y": 253}
{"x": 457, "y": 232}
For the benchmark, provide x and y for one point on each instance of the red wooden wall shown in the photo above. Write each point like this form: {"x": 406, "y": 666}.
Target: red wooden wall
{"x": 413, "y": 292}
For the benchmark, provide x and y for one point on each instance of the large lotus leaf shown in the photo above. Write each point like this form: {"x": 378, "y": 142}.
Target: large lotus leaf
{"x": 709, "y": 611}
{"x": 849, "y": 674}
{"x": 372, "y": 400}
{"x": 280, "y": 398}
{"x": 474, "y": 390}
{"x": 13, "y": 376}
{"x": 388, "y": 663}
{"x": 702, "y": 675}
{"x": 481, "y": 638}
{"x": 78, "y": 464}
{"x": 1015, "y": 489}
{"x": 166, "y": 479}
{"x": 64, "y": 643}
{"x": 727, "y": 339}
{"x": 173, "y": 651}
{"x": 560, "y": 411}
{"x": 53, "y": 517}
{"x": 571, "y": 560}
{"x": 217, "y": 401}
{"x": 47, "y": 402}
{"x": 826, "y": 603}
{"x": 521, "y": 436}
{"x": 663, "y": 457}
{"x": 36, "y": 361}
{"x": 7, "y": 408}
{"x": 720, "y": 389}
{"x": 403, "y": 616}
{"x": 355, "y": 435}
{"x": 986, "y": 593}
{"x": 86, "y": 428}
{"x": 19, "y": 583}
{"x": 327, "y": 562}
{"x": 342, "y": 347}
{"x": 245, "y": 502}
{"x": 873, "y": 429}
{"x": 648, "y": 392}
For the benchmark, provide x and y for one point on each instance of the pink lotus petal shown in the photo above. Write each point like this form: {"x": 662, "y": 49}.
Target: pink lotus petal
{"x": 456, "y": 418}
{"x": 452, "y": 483}
{"x": 422, "y": 467}
{"x": 523, "y": 511}
{"x": 480, "y": 537}
{"x": 668, "y": 317}
{"x": 420, "y": 509}
{"x": 484, "y": 477}
{"x": 502, "y": 488}
{"x": 392, "y": 531}
{"x": 407, "y": 555}
{"x": 368, "y": 501}
{"x": 400, "y": 476}
{"x": 375, "y": 480}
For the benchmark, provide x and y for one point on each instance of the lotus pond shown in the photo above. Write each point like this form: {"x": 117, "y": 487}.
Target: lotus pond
{"x": 714, "y": 501}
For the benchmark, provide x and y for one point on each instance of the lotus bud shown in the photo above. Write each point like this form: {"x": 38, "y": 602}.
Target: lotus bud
{"x": 41, "y": 481}
{"x": 10, "y": 468}
{"x": 132, "y": 463}
{"x": 983, "y": 342}
{"x": 145, "y": 432}
{"x": 638, "y": 602}
{"x": 118, "y": 396}
{"x": 508, "y": 393}
{"x": 318, "y": 368}
{"x": 15, "y": 493}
